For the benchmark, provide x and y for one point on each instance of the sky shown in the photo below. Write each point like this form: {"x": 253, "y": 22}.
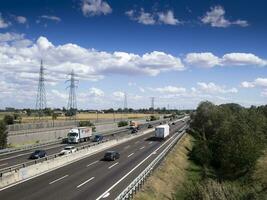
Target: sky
{"x": 180, "y": 52}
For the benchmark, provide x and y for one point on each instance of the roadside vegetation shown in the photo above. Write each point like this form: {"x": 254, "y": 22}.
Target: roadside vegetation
{"x": 122, "y": 123}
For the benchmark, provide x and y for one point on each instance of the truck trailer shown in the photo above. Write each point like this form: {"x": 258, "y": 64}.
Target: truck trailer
{"x": 162, "y": 131}
{"x": 79, "y": 134}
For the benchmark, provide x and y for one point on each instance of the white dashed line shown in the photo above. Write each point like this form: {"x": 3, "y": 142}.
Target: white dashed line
{"x": 113, "y": 165}
{"x": 85, "y": 182}
{"x": 130, "y": 155}
{"x": 92, "y": 163}
{"x": 58, "y": 179}
{"x": 150, "y": 142}
{"x": 142, "y": 147}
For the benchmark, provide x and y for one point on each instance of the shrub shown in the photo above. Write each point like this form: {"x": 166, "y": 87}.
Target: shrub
{"x": 3, "y": 135}
{"x": 87, "y": 123}
{"x": 122, "y": 123}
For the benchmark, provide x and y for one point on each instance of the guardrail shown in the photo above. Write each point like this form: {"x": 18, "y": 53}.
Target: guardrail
{"x": 28, "y": 163}
{"x": 138, "y": 182}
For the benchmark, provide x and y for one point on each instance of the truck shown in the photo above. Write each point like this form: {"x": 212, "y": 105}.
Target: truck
{"x": 134, "y": 125}
{"x": 162, "y": 131}
{"x": 79, "y": 134}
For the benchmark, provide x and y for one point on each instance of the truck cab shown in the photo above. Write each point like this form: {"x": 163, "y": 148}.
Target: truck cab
{"x": 73, "y": 136}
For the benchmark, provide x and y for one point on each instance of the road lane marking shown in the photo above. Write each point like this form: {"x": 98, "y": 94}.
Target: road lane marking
{"x": 127, "y": 147}
{"x": 113, "y": 165}
{"x": 130, "y": 155}
{"x": 150, "y": 142}
{"x": 142, "y": 147}
{"x": 115, "y": 184}
{"x": 3, "y": 164}
{"x": 22, "y": 154}
{"x": 58, "y": 179}
{"x": 106, "y": 195}
{"x": 136, "y": 142}
{"x": 85, "y": 182}
{"x": 92, "y": 163}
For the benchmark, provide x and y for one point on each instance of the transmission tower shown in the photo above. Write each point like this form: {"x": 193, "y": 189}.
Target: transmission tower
{"x": 41, "y": 93}
{"x": 125, "y": 101}
{"x": 152, "y": 102}
{"x": 72, "y": 104}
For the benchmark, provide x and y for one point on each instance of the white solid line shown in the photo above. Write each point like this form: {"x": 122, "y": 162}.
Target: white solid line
{"x": 3, "y": 164}
{"x": 130, "y": 155}
{"x": 92, "y": 163}
{"x": 142, "y": 147}
{"x": 58, "y": 179}
{"x": 14, "y": 156}
{"x": 85, "y": 182}
{"x": 113, "y": 165}
{"x": 108, "y": 190}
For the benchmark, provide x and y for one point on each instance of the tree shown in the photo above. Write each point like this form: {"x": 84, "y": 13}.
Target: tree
{"x": 8, "y": 119}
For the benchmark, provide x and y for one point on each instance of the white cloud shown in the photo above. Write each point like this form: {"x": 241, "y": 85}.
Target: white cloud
{"x": 142, "y": 89}
{"x": 209, "y": 60}
{"x": 3, "y": 23}
{"x": 169, "y": 89}
{"x": 205, "y": 60}
{"x": 148, "y": 18}
{"x": 246, "y": 84}
{"x": 168, "y": 18}
{"x": 213, "y": 88}
{"x": 264, "y": 93}
{"x": 51, "y": 17}
{"x": 118, "y": 95}
{"x": 95, "y": 7}
{"x": 21, "y": 19}
{"x": 216, "y": 18}
{"x": 95, "y": 92}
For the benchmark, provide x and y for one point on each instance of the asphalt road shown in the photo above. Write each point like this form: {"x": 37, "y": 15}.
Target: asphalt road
{"x": 92, "y": 178}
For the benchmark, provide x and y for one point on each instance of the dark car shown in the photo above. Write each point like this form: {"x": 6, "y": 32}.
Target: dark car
{"x": 38, "y": 154}
{"x": 135, "y": 130}
{"x": 111, "y": 155}
{"x": 98, "y": 138}
{"x": 150, "y": 126}
{"x": 173, "y": 123}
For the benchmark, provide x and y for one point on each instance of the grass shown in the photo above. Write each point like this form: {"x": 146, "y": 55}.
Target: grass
{"x": 170, "y": 175}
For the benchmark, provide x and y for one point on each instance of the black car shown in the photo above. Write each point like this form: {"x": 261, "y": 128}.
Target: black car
{"x": 111, "y": 155}
{"x": 98, "y": 138}
{"x": 135, "y": 130}
{"x": 173, "y": 123}
{"x": 38, "y": 154}
{"x": 150, "y": 126}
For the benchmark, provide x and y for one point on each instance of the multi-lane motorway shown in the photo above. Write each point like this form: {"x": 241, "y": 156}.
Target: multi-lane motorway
{"x": 92, "y": 178}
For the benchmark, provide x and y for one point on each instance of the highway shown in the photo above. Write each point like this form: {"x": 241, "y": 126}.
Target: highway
{"x": 92, "y": 178}
{"x": 16, "y": 158}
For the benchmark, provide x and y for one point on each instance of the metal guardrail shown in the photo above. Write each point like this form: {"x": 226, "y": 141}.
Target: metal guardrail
{"x": 32, "y": 162}
{"x": 137, "y": 183}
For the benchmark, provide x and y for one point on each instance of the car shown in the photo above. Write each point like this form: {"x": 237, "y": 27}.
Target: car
{"x": 98, "y": 138}
{"x": 68, "y": 150}
{"x": 150, "y": 126}
{"x": 38, "y": 154}
{"x": 173, "y": 123}
{"x": 134, "y": 130}
{"x": 111, "y": 155}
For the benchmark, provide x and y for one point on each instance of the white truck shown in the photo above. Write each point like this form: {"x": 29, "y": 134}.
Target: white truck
{"x": 79, "y": 134}
{"x": 162, "y": 131}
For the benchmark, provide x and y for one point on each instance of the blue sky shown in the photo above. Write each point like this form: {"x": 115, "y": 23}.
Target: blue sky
{"x": 181, "y": 52}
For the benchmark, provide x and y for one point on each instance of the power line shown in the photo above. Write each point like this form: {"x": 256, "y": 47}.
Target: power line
{"x": 125, "y": 101}
{"x": 152, "y": 103}
{"x": 72, "y": 103}
{"x": 41, "y": 92}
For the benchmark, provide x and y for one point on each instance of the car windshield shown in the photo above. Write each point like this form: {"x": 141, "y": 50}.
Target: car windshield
{"x": 109, "y": 153}
{"x": 73, "y": 134}
{"x": 36, "y": 152}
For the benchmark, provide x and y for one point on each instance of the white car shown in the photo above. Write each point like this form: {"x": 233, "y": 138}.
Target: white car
{"x": 68, "y": 150}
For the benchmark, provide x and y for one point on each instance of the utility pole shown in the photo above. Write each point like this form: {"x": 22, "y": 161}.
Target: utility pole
{"x": 41, "y": 93}
{"x": 152, "y": 103}
{"x": 125, "y": 101}
{"x": 72, "y": 104}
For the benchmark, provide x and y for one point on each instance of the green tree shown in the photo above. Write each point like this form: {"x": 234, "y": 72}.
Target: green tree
{"x": 3, "y": 135}
{"x": 8, "y": 119}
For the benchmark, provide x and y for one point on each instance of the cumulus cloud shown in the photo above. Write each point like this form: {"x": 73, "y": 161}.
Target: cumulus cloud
{"x": 216, "y": 18}
{"x": 213, "y": 88}
{"x": 209, "y": 60}
{"x": 3, "y": 22}
{"x": 258, "y": 82}
{"x": 21, "y": 19}
{"x": 246, "y": 84}
{"x": 95, "y": 7}
{"x": 169, "y": 89}
{"x": 148, "y": 18}
{"x": 96, "y": 92}
{"x": 51, "y": 17}
{"x": 119, "y": 95}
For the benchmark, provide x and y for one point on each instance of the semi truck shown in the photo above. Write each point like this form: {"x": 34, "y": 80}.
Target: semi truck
{"x": 79, "y": 134}
{"x": 162, "y": 131}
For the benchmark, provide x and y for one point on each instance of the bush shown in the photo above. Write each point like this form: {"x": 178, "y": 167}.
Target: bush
{"x": 3, "y": 135}
{"x": 154, "y": 118}
{"x": 8, "y": 119}
{"x": 87, "y": 123}
{"x": 122, "y": 123}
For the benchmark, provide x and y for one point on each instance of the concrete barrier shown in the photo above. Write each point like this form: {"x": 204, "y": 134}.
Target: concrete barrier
{"x": 23, "y": 174}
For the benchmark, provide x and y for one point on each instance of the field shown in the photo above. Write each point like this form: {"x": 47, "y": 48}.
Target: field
{"x": 86, "y": 116}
